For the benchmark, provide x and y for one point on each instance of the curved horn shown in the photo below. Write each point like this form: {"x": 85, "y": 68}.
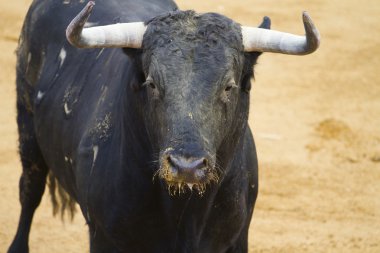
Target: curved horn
{"x": 262, "y": 40}
{"x": 116, "y": 35}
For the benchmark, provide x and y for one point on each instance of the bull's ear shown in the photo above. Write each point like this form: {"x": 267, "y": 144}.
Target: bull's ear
{"x": 266, "y": 23}
{"x": 135, "y": 55}
{"x": 132, "y": 52}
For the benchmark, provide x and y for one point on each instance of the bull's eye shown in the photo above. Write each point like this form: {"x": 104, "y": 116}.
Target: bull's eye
{"x": 226, "y": 94}
{"x": 153, "y": 89}
{"x": 229, "y": 86}
{"x": 151, "y": 85}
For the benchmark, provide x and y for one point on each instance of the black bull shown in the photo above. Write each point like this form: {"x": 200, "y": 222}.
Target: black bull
{"x": 152, "y": 143}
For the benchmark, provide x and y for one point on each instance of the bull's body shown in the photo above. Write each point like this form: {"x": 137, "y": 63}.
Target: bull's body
{"x": 80, "y": 118}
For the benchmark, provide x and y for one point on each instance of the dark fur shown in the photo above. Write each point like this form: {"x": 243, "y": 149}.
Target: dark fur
{"x": 101, "y": 134}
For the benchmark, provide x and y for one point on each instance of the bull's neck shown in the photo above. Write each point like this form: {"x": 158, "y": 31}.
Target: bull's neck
{"x": 185, "y": 221}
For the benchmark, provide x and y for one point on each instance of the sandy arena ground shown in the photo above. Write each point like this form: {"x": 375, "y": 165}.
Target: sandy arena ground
{"x": 316, "y": 120}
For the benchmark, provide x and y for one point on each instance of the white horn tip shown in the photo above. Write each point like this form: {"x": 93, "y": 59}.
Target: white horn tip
{"x": 312, "y": 33}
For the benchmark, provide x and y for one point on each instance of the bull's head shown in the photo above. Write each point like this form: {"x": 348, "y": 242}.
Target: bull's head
{"x": 197, "y": 70}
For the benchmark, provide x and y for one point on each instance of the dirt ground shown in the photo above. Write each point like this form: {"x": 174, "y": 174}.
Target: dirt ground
{"x": 316, "y": 120}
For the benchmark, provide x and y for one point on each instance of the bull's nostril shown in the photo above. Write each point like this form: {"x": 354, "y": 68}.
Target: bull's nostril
{"x": 173, "y": 166}
{"x": 169, "y": 160}
{"x": 205, "y": 162}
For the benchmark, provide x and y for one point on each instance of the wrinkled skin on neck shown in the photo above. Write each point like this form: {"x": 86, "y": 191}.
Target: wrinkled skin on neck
{"x": 196, "y": 108}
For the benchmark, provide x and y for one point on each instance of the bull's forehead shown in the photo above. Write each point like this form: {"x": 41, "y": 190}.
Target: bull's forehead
{"x": 198, "y": 48}
{"x": 192, "y": 66}
{"x": 209, "y": 28}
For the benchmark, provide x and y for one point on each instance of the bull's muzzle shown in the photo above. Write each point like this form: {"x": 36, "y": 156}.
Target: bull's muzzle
{"x": 189, "y": 170}
{"x": 183, "y": 173}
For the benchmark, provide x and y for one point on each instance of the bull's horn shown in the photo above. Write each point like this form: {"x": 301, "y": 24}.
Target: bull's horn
{"x": 262, "y": 40}
{"x": 116, "y": 35}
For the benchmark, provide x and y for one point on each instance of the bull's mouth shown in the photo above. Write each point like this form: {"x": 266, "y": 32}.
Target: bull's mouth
{"x": 182, "y": 174}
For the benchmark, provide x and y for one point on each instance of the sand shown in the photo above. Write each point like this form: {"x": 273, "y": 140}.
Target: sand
{"x": 316, "y": 120}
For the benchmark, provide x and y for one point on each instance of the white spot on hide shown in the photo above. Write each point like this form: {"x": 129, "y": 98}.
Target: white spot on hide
{"x": 66, "y": 108}
{"x": 88, "y": 215}
{"x": 40, "y": 94}
{"x": 28, "y": 61}
{"x": 101, "y": 51}
{"x": 29, "y": 57}
{"x": 190, "y": 115}
{"x": 103, "y": 95}
{"x": 62, "y": 56}
{"x": 66, "y": 159}
{"x": 95, "y": 150}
